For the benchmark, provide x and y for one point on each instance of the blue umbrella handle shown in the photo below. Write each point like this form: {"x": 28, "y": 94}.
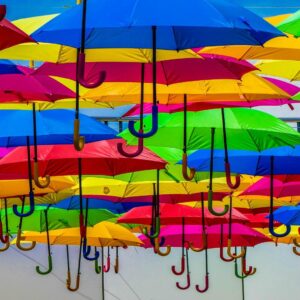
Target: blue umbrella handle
{"x": 86, "y": 250}
{"x": 31, "y": 210}
{"x": 2, "y": 12}
{"x": 228, "y": 177}
{"x": 272, "y": 230}
{"x": 139, "y": 150}
{"x": 161, "y": 243}
{"x": 41, "y": 184}
{"x": 81, "y": 71}
{"x": 153, "y": 129}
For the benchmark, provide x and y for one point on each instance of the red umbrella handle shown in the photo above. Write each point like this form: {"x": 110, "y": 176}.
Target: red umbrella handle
{"x": 2, "y": 12}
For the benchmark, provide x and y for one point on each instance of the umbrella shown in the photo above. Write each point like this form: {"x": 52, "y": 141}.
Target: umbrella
{"x": 96, "y": 158}
{"x": 8, "y": 67}
{"x": 291, "y": 24}
{"x": 288, "y": 215}
{"x": 11, "y": 35}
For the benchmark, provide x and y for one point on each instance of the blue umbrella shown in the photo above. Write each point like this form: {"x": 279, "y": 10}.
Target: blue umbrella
{"x": 8, "y": 67}
{"x": 156, "y": 24}
{"x": 286, "y": 161}
{"x": 288, "y": 215}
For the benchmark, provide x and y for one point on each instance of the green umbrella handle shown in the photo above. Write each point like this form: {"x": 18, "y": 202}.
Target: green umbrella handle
{"x": 77, "y": 139}
{"x": 236, "y": 272}
{"x": 97, "y": 267}
{"x": 37, "y": 268}
{"x": 211, "y": 208}
{"x": 156, "y": 232}
{"x": 41, "y": 184}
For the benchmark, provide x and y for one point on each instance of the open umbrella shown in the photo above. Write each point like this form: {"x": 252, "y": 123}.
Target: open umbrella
{"x": 291, "y": 24}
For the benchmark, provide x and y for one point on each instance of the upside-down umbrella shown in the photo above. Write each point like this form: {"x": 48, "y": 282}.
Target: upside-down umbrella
{"x": 97, "y": 158}
{"x": 10, "y": 34}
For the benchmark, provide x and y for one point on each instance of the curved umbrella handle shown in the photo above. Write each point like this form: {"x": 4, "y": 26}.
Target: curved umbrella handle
{"x": 6, "y": 246}
{"x": 206, "y": 285}
{"x": 19, "y": 245}
{"x": 234, "y": 255}
{"x": 78, "y": 140}
{"x": 37, "y": 268}
{"x": 228, "y": 177}
{"x": 161, "y": 243}
{"x": 158, "y": 251}
{"x": 250, "y": 271}
{"x": 272, "y": 230}
{"x": 2, "y": 12}
{"x": 211, "y": 209}
{"x": 157, "y": 230}
{"x": 97, "y": 267}
{"x": 106, "y": 268}
{"x": 297, "y": 245}
{"x": 86, "y": 250}
{"x": 41, "y": 184}
{"x": 3, "y": 239}
{"x": 81, "y": 71}
{"x": 204, "y": 244}
{"x": 139, "y": 150}
{"x": 153, "y": 129}
{"x": 182, "y": 268}
{"x": 68, "y": 283}
{"x": 185, "y": 169}
{"x": 31, "y": 210}
{"x": 116, "y": 265}
{"x": 236, "y": 272}
{"x": 223, "y": 257}
{"x": 188, "y": 283}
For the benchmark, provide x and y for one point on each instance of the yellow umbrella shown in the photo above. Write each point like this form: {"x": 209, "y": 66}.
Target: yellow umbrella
{"x": 63, "y": 54}
{"x": 289, "y": 69}
{"x": 250, "y": 88}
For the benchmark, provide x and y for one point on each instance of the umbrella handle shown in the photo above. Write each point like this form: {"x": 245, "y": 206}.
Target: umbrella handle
{"x": 78, "y": 140}
{"x": 37, "y": 268}
{"x": 204, "y": 244}
{"x": 2, "y": 12}
{"x": 223, "y": 257}
{"x": 3, "y": 239}
{"x": 139, "y": 150}
{"x": 41, "y": 184}
{"x": 106, "y": 268}
{"x": 206, "y": 285}
{"x": 234, "y": 255}
{"x": 86, "y": 250}
{"x": 97, "y": 267}
{"x": 7, "y": 244}
{"x": 68, "y": 283}
{"x": 211, "y": 208}
{"x": 81, "y": 71}
{"x": 297, "y": 245}
{"x": 31, "y": 210}
{"x": 185, "y": 169}
{"x": 188, "y": 283}
{"x": 250, "y": 271}
{"x": 272, "y": 230}
{"x": 19, "y": 245}
{"x": 153, "y": 130}
{"x": 236, "y": 272}
{"x": 161, "y": 243}
{"x": 157, "y": 230}
{"x": 182, "y": 267}
{"x": 157, "y": 248}
{"x": 116, "y": 266}
{"x": 228, "y": 177}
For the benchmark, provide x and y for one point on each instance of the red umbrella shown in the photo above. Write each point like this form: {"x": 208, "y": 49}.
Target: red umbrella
{"x": 98, "y": 158}
{"x": 172, "y": 214}
{"x": 10, "y": 34}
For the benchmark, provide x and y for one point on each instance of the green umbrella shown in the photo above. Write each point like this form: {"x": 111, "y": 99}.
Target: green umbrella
{"x": 291, "y": 24}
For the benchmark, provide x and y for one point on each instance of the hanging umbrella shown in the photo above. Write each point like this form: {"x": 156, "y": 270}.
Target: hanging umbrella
{"x": 97, "y": 158}
{"x": 11, "y": 35}
{"x": 288, "y": 215}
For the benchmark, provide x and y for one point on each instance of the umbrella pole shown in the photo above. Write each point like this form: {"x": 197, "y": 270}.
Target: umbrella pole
{"x": 243, "y": 288}
{"x": 46, "y": 182}
{"x": 31, "y": 193}
{"x": 184, "y": 154}
{"x": 182, "y": 268}
{"x": 227, "y": 164}
{"x": 188, "y": 277}
{"x": 102, "y": 275}
{"x": 271, "y": 215}
{"x": 131, "y": 123}
{"x": 229, "y": 241}
{"x": 116, "y": 266}
{"x": 106, "y": 268}
{"x": 211, "y": 173}
{"x": 5, "y": 240}
{"x": 37, "y": 268}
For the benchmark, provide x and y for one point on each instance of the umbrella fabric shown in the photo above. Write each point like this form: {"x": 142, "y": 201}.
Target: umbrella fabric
{"x": 13, "y": 188}
{"x": 53, "y": 127}
{"x": 250, "y": 88}
{"x": 28, "y": 87}
{"x": 98, "y": 158}
{"x": 259, "y": 220}
{"x": 289, "y": 215}
{"x": 172, "y": 214}
{"x": 111, "y": 24}
{"x": 281, "y": 229}
{"x": 168, "y": 72}
{"x": 291, "y": 24}
{"x": 57, "y": 219}
{"x": 286, "y": 161}
{"x": 8, "y": 67}
{"x": 241, "y": 236}
{"x": 12, "y": 35}
{"x": 94, "y": 203}
{"x": 246, "y": 130}
{"x": 102, "y": 234}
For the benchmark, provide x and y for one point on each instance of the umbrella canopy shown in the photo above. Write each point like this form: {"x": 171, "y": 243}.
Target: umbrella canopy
{"x": 111, "y": 24}
{"x": 168, "y": 72}
{"x": 53, "y": 127}
{"x": 286, "y": 161}
{"x": 288, "y": 215}
{"x": 28, "y": 87}
{"x": 8, "y": 67}
{"x": 241, "y": 236}
{"x": 101, "y": 235}
{"x": 246, "y": 130}
{"x": 294, "y": 234}
{"x": 172, "y": 214}
{"x": 291, "y": 24}
{"x": 259, "y": 220}
{"x": 57, "y": 219}
{"x": 98, "y": 158}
